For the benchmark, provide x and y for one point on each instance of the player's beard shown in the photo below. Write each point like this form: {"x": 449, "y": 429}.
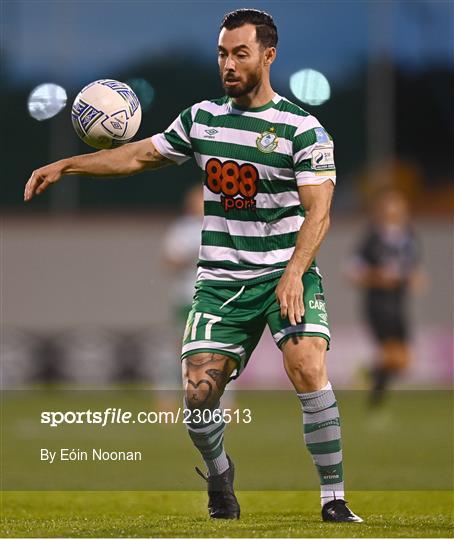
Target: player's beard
{"x": 243, "y": 89}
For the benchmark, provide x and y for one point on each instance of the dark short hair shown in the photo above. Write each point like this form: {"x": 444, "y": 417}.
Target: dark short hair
{"x": 266, "y": 30}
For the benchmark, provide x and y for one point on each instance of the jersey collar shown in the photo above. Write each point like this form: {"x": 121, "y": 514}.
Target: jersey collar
{"x": 268, "y": 105}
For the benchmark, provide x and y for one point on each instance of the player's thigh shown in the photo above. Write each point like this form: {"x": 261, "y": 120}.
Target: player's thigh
{"x": 220, "y": 326}
{"x": 315, "y": 320}
{"x": 305, "y": 362}
{"x": 304, "y": 345}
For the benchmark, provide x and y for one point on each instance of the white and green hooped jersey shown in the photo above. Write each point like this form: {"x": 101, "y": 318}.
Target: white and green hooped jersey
{"x": 254, "y": 160}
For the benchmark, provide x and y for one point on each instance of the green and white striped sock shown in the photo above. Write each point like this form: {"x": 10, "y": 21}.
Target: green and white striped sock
{"x": 322, "y": 434}
{"x": 208, "y": 438}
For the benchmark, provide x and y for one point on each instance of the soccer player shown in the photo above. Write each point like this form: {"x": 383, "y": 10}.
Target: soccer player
{"x": 387, "y": 267}
{"x": 269, "y": 179}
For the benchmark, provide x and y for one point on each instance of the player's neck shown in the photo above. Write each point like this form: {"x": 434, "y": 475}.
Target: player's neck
{"x": 259, "y": 96}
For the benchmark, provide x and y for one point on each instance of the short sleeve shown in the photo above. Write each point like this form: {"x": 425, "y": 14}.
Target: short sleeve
{"x": 313, "y": 155}
{"x": 175, "y": 142}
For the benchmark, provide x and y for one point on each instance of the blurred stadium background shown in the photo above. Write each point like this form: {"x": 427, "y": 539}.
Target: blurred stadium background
{"x": 85, "y": 291}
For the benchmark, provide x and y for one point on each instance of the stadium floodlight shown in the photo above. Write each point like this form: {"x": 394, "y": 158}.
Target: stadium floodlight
{"x": 46, "y": 100}
{"x": 143, "y": 90}
{"x": 310, "y": 86}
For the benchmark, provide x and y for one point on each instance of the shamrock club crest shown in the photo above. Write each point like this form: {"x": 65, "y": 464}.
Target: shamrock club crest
{"x": 267, "y": 141}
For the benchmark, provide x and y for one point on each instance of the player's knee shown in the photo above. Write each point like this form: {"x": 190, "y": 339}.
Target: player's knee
{"x": 200, "y": 392}
{"x": 307, "y": 371}
{"x": 205, "y": 377}
{"x": 313, "y": 374}
{"x": 200, "y": 395}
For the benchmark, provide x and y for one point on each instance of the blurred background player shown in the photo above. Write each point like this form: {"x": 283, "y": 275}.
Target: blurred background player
{"x": 180, "y": 254}
{"x": 386, "y": 267}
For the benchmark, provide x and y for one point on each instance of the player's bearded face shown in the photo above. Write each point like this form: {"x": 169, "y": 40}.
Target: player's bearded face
{"x": 240, "y": 59}
{"x": 241, "y": 84}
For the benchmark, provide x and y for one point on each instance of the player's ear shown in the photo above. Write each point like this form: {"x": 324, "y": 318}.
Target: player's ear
{"x": 270, "y": 55}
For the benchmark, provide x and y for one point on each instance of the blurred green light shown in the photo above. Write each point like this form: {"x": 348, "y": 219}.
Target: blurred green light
{"x": 310, "y": 86}
{"x": 143, "y": 90}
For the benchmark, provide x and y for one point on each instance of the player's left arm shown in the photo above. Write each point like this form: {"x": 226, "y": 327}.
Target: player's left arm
{"x": 316, "y": 200}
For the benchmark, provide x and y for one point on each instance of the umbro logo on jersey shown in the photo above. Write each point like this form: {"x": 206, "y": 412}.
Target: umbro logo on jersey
{"x": 210, "y": 133}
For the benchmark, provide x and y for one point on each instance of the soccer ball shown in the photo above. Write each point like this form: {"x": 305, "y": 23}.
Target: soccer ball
{"x": 106, "y": 114}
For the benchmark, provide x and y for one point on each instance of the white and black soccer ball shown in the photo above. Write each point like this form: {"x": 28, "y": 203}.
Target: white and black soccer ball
{"x": 106, "y": 114}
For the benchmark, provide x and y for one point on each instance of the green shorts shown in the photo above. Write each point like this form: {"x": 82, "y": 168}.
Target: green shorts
{"x": 230, "y": 319}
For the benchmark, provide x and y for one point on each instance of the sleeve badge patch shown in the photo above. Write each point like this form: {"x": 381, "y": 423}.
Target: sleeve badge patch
{"x": 323, "y": 158}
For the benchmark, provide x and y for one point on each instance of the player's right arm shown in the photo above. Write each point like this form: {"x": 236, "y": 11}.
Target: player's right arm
{"x": 131, "y": 158}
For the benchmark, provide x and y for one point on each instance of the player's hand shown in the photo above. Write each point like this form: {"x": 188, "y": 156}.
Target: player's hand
{"x": 41, "y": 179}
{"x": 289, "y": 294}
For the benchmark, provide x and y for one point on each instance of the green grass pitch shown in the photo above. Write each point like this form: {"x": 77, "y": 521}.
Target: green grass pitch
{"x": 183, "y": 514}
{"x": 407, "y": 447}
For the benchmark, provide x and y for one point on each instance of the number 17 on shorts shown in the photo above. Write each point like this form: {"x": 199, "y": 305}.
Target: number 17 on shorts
{"x": 205, "y": 333}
